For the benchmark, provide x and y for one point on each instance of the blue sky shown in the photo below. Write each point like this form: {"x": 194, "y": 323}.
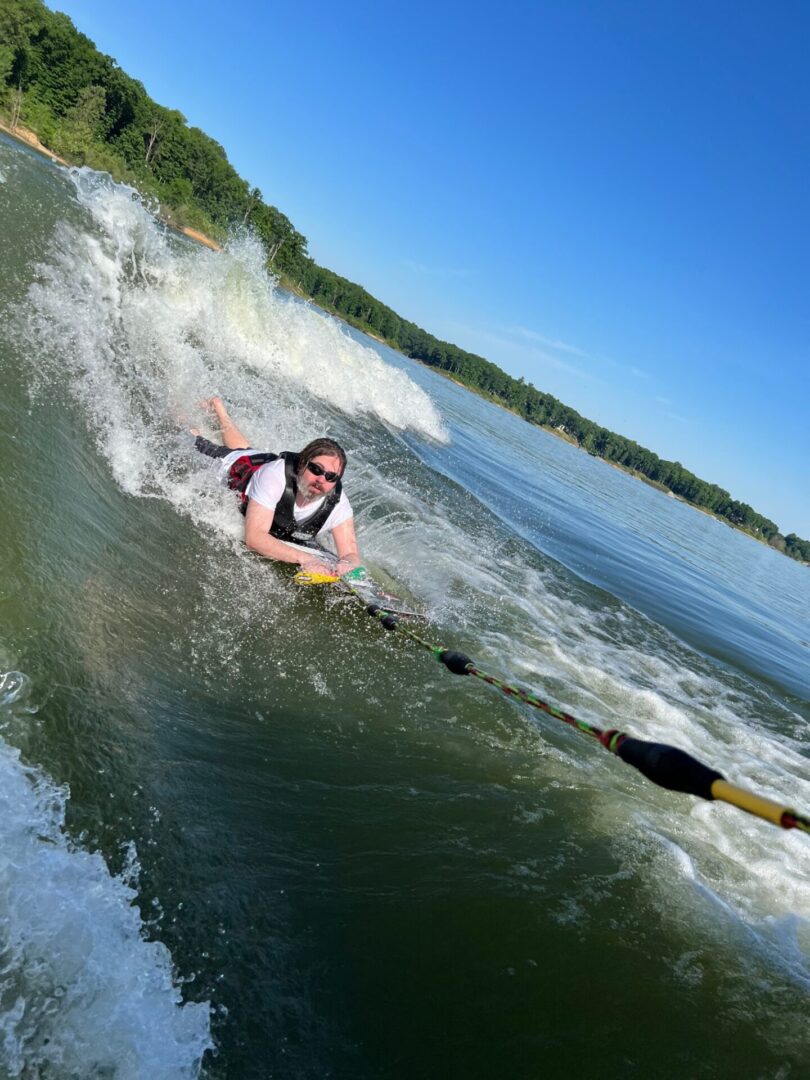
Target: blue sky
{"x": 609, "y": 198}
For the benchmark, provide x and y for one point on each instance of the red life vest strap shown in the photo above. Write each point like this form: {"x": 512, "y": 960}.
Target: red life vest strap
{"x": 241, "y": 473}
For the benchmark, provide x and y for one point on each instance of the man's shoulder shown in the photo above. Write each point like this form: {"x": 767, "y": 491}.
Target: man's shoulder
{"x": 277, "y": 465}
{"x": 272, "y": 472}
{"x": 267, "y": 483}
{"x": 341, "y": 511}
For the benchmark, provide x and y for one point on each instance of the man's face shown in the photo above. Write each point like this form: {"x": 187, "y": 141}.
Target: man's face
{"x": 314, "y": 486}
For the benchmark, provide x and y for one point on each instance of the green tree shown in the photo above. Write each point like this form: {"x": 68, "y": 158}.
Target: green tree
{"x": 82, "y": 124}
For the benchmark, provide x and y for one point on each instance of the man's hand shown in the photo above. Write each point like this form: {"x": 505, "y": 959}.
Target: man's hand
{"x": 355, "y": 575}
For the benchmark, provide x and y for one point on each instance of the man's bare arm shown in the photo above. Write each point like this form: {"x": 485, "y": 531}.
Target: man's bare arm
{"x": 346, "y": 546}
{"x": 257, "y": 536}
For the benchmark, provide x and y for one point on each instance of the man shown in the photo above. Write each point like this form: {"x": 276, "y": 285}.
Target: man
{"x": 289, "y": 500}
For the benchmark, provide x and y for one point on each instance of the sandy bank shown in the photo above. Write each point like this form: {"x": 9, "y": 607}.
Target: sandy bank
{"x": 29, "y": 138}
{"x": 23, "y": 135}
{"x": 201, "y": 238}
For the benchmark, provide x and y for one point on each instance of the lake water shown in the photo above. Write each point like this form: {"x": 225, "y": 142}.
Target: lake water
{"x": 245, "y": 833}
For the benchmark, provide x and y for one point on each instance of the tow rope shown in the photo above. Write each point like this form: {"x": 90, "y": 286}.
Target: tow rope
{"x": 664, "y": 765}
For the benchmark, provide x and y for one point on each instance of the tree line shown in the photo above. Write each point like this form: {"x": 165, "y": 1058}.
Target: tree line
{"x": 80, "y": 103}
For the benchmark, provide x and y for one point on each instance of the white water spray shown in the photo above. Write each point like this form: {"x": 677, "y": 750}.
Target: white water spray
{"x": 82, "y": 992}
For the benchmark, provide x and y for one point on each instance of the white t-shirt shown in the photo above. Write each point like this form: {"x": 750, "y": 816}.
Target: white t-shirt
{"x": 267, "y": 486}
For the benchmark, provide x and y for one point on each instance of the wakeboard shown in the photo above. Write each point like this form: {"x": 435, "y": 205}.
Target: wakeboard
{"x": 371, "y": 593}
{"x": 363, "y": 588}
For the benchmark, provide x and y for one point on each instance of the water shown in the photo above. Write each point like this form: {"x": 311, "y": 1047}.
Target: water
{"x": 242, "y": 826}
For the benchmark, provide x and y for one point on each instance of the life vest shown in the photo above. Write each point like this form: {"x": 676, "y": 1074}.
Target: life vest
{"x": 284, "y": 526}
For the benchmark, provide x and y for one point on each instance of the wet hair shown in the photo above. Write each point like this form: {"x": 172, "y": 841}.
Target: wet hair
{"x": 319, "y": 448}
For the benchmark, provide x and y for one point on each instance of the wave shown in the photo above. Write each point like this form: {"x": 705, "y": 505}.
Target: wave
{"x": 82, "y": 991}
{"x": 122, "y": 303}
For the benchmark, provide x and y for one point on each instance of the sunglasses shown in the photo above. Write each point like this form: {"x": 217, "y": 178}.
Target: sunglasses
{"x": 317, "y": 470}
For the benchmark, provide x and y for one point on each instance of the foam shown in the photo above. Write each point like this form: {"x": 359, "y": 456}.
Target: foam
{"x": 182, "y": 321}
{"x": 82, "y": 992}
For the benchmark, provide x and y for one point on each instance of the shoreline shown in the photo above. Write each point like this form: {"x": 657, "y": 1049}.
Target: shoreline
{"x": 633, "y": 473}
{"x": 194, "y": 234}
{"x": 31, "y": 140}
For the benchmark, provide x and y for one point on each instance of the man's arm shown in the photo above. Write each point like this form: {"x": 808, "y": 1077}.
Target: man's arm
{"x": 257, "y": 536}
{"x": 346, "y": 546}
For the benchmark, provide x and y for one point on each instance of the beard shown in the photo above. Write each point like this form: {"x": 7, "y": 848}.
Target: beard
{"x": 305, "y": 489}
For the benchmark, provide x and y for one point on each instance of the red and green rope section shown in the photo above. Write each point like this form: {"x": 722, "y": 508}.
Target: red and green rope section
{"x": 664, "y": 765}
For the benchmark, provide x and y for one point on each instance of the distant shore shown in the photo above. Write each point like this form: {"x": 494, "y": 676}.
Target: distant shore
{"x": 558, "y": 434}
{"x": 194, "y": 234}
{"x": 30, "y": 139}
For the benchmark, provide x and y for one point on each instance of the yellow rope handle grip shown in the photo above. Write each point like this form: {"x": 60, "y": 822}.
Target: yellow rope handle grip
{"x": 307, "y": 577}
{"x": 748, "y": 801}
